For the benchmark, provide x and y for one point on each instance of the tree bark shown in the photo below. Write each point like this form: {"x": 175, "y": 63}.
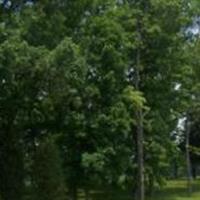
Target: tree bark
{"x": 188, "y": 160}
{"x": 140, "y": 156}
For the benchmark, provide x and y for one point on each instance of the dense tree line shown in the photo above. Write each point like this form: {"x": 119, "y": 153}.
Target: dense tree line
{"x": 92, "y": 89}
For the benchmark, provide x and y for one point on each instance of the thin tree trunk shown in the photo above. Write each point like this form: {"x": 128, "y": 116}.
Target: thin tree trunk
{"x": 139, "y": 128}
{"x": 175, "y": 170}
{"x": 188, "y": 161}
{"x": 194, "y": 171}
{"x": 73, "y": 192}
{"x": 140, "y": 156}
{"x": 87, "y": 194}
{"x": 150, "y": 185}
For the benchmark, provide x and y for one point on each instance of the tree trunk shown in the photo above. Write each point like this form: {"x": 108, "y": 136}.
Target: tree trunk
{"x": 188, "y": 161}
{"x": 87, "y": 194}
{"x": 140, "y": 156}
{"x": 73, "y": 192}
{"x": 175, "y": 170}
{"x": 139, "y": 128}
{"x": 194, "y": 171}
{"x": 150, "y": 185}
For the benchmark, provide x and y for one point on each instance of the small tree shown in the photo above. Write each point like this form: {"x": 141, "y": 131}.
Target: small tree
{"x": 48, "y": 181}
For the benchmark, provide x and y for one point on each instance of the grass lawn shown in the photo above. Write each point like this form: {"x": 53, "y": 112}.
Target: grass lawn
{"x": 174, "y": 190}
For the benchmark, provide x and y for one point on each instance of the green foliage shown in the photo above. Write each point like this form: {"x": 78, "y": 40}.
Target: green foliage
{"x": 17, "y": 71}
{"x": 134, "y": 97}
{"x": 69, "y": 68}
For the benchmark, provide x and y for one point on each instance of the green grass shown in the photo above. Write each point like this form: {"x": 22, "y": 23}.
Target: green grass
{"x": 174, "y": 190}
{"x": 177, "y": 190}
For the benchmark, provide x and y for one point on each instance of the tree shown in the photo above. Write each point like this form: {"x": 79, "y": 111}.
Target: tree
{"x": 66, "y": 85}
{"x": 190, "y": 103}
{"x": 48, "y": 179}
{"x": 160, "y": 62}
{"x": 17, "y": 64}
{"x": 109, "y": 71}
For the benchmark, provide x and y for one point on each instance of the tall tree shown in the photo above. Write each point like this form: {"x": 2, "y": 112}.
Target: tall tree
{"x": 17, "y": 62}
